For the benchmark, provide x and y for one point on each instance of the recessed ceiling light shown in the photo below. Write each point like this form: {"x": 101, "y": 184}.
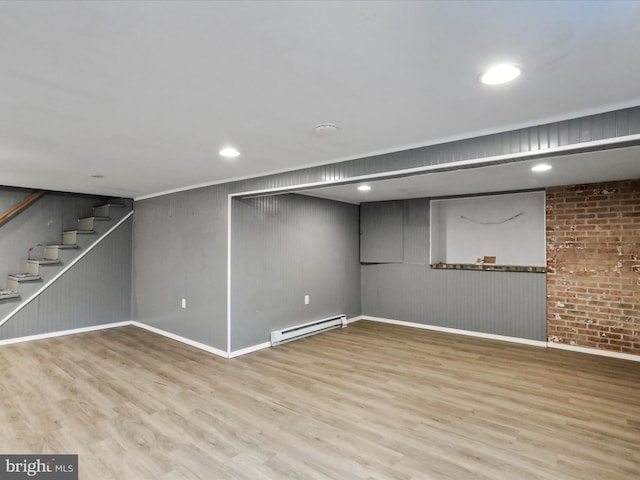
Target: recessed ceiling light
{"x": 542, "y": 167}
{"x": 364, "y": 188}
{"x": 229, "y": 152}
{"x": 325, "y": 129}
{"x": 498, "y": 74}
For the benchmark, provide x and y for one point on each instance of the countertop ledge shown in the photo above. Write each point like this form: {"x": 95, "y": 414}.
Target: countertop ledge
{"x": 489, "y": 267}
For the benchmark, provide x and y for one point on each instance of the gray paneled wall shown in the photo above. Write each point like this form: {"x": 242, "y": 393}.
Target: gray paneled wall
{"x": 11, "y": 196}
{"x": 381, "y": 232}
{"x": 180, "y": 251}
{"x": 177, "y": 257}
{"x": 416, "y": 231}
{"x": 94, "y": 291}
{"x": 283, "y": 248}
{"x": 501, "y": 303}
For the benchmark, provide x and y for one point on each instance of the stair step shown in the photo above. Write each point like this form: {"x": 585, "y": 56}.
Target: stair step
{"x": 70, "y": 236}
{"x": 24, "y": 277}
{"x": 52, "y": 251}
{"x": 86, "y": 223}
{"x": 103, "y": 210}
{"x": 33, "y": 264}
{"x": 44, "y": 261}
{"x": 7, "y": 294}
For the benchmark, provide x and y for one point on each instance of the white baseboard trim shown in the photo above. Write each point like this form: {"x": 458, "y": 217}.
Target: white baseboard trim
{"x": 536, "y": 343}
{"x": 253, "y": 348}
{"x": 594, "y": 351}
{"x": 354, "y": 319}
{"x": 62, "y": 333}
{"x": 470, "y": 333}
{"x": 173, "y": 336}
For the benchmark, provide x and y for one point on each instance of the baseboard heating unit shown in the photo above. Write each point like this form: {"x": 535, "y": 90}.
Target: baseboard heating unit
{"x": 299, "y": 331}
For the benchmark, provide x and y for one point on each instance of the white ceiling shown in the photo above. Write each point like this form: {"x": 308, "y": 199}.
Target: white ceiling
{"x": 146, "y": 93}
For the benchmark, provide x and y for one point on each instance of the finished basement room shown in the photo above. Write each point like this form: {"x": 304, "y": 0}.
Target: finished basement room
{"x": 320, "y": 240}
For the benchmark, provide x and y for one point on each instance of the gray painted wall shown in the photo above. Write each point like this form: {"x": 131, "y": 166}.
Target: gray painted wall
{"x": 180, "y": 251}
{"x": 283, "y": 248}
{"x": 167, "y": 259}
{"x": 416, "y": 231}
{"x": 94, "y": 291}
{"x": 11, "y": 196}
{"x": 502, "y": 303}
{"x": 381, "y": 232}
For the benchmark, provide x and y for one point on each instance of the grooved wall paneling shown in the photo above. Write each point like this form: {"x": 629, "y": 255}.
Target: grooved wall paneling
{"x": 416, "y": 231}
{"x": 163, "y": 263}
{"x": 501, "y": 303}
{"x": 95, "y": 291}
{"x": 283, "y": 248}
{"x": 381, "y": 232}
{"x": 180, "y": 251}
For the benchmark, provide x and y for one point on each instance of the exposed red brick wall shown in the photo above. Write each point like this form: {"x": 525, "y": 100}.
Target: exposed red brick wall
{"x": 593, "y": 264}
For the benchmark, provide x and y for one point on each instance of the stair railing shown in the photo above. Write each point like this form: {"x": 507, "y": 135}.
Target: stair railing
{"x": 21, "y": 206}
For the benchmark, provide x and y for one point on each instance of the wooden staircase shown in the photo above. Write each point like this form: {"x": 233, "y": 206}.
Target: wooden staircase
{"x": 52, "y": 253}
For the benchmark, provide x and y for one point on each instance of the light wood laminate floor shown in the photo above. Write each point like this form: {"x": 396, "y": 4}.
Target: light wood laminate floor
{"x": 370, "y": 401}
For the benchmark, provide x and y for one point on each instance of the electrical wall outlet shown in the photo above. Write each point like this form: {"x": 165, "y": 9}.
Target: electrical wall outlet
{"x": 184, "y": 303}
{"x": 306, "y": 299}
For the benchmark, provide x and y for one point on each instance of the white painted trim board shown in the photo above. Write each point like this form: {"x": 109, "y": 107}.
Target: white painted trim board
{"x": 253, "y": 348}
{"x": 62, "y": 333}
{"x": 504, "y": 338}
{"x": 260, "y": 346}
{"x": 469, "y": 333}
{"x": 187, "y": 341}
{"x": 594, "y": 351}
